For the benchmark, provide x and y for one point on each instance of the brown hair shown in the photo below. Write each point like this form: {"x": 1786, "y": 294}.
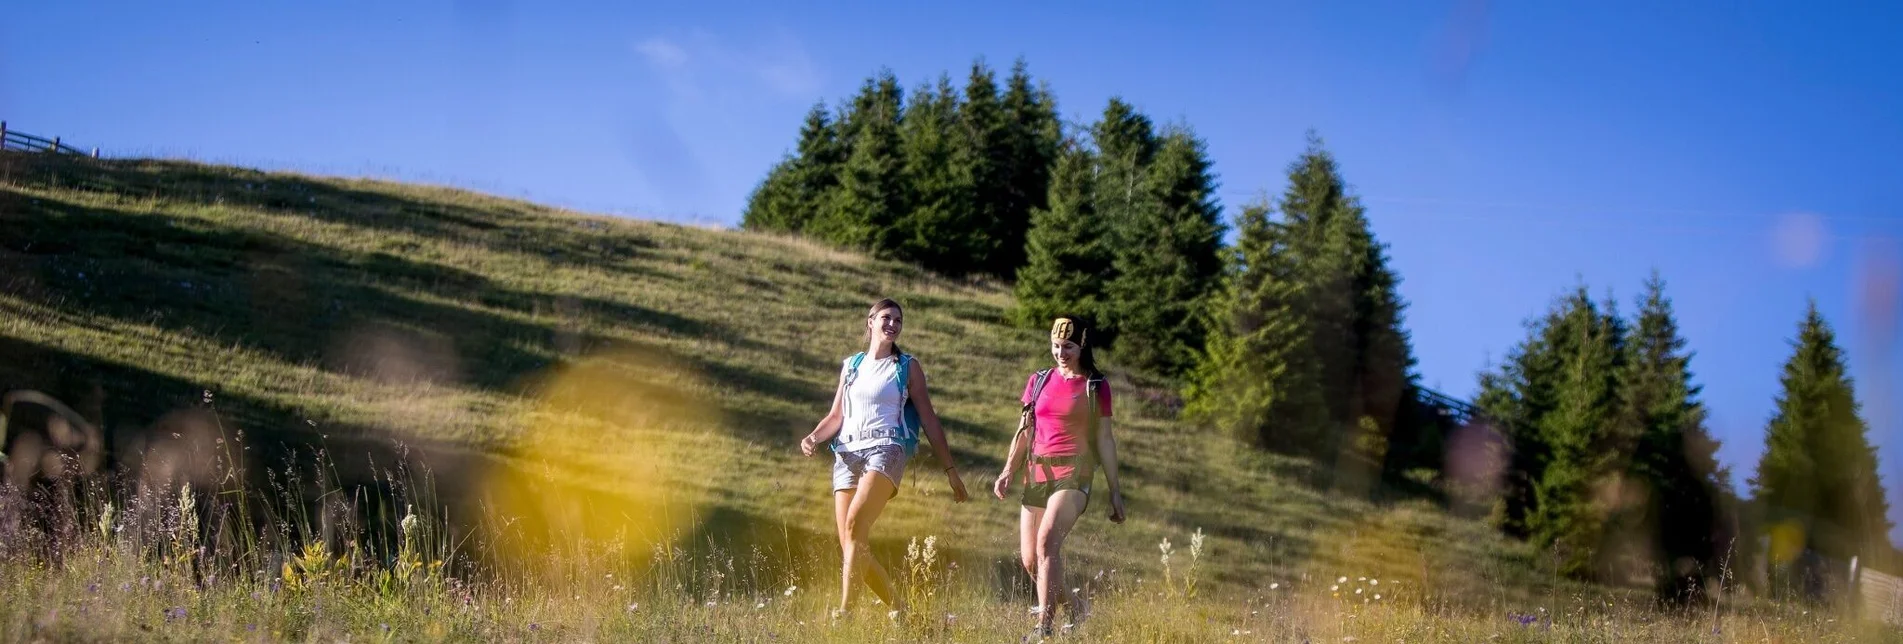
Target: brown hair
{"x": 881, "y": 305}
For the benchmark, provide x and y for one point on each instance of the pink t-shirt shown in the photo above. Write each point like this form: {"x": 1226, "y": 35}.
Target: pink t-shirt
{"x": 1062, "y": 419}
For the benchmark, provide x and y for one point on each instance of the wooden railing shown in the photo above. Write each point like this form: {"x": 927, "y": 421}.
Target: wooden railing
{"x": 23, "y": 142}
{"x": 1879, "y": 595}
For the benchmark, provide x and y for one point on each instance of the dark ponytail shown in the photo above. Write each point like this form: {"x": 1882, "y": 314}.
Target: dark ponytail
{"x": 1077, "y": 329}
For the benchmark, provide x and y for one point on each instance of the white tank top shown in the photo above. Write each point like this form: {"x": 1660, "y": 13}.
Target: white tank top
{"x": 873, "y": 404}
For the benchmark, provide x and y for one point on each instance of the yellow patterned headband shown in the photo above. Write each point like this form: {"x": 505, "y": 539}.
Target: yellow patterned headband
{"x": 1068, "y": 329}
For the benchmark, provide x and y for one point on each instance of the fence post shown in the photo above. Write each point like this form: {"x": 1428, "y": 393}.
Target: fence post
{"x": 55, "y": 147}
{"x": 95, "y": 153}
{"x": 3, "y": 136}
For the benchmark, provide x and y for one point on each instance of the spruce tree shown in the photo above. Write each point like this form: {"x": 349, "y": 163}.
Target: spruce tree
{"x": 1544, "y": 398}
{"x": 774, "y": 204}
{"x": 937, "y": 231}
{"x": 801, "y": 184}
{"x": 1069, "y": 261}
{"x": 1167, "y": 262}
{"x": 1816, "y": 483}
{"x": 1353, "y": 313}
{"x": 1126, "y": 141}
{"x": 1253, "y": 380}
{"x": 1578, "y": 434}
{"x": 872, "y": 193}
{"x": 984, "y": 158}
{"x": 1673, "y": 457}
{"x": 1369, "y": 394}
{"x": 1031, "y": 139}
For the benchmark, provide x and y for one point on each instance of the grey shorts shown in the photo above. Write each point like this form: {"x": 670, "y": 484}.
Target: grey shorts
{"x": 849, "y": 467}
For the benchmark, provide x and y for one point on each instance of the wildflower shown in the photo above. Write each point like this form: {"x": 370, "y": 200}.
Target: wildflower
{"x": 789, "y": 590}
{"x": 1275, "y": 586}
{"x": 409, "y": 523}
{"x": 1342, "y": 579}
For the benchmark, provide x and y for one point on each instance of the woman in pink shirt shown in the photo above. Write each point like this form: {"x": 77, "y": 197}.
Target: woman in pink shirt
{"x": 1065, "y": 451}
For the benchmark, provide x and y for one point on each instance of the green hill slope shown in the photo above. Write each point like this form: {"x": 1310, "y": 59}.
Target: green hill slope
{"x": 636, "y": 369}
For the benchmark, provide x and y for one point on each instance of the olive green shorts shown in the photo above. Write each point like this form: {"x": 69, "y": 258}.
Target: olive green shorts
{"x": 1038, "y": 494}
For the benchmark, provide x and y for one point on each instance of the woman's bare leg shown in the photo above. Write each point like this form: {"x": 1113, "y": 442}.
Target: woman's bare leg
{"x": 1061, "y": 514}
{"x": 858, "y": 509}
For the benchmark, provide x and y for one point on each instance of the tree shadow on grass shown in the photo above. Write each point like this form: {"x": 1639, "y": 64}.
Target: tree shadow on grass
{"x": 302, "y": 302}
{"x": 161, "y": 432}
{"x": 437, "y": 213}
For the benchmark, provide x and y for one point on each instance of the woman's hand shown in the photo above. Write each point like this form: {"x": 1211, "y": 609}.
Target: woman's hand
{"x": 1116, "y": 506}
{"x": 958, "y": 486}
{"x": 808, "y": 444}
{"x": 1002, "y": 485}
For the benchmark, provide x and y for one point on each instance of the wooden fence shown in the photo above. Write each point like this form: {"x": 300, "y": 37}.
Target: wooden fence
{"x": 23, "y": 142}
{"x": 1880, "y": 595}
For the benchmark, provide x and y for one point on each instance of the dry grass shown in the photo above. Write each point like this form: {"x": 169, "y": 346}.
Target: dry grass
{"x": 597, "y": 414}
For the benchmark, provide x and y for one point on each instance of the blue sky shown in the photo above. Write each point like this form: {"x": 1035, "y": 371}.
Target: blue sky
{"x": 1507, "y": 151}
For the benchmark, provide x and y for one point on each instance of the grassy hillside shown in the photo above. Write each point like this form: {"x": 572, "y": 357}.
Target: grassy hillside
{"x": 560, "y": 376}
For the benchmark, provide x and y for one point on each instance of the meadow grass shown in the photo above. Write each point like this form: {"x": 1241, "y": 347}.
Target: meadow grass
{"x": 594, "y": 422}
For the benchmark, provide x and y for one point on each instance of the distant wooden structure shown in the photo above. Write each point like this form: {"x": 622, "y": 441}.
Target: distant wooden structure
{"x": 1879, "y": 594}
{"x": 22, "y": 142}
{"x": 1460, "y": 411}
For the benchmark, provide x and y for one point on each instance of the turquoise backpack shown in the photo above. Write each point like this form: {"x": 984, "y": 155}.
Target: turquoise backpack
{"x": 910, "y": 425}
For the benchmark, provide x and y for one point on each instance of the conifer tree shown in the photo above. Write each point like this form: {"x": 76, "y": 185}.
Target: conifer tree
{"x": 984, "y": 158}
{"x": 1126, "y": 141}
{"x": 937, "y": 231}
{"x": 1578, "y": 432}
{"x": 1253, "y": 380}
{"x": 1167, "y": 262}
{"x": 1547, "y": 398}
{"x": 1357, "y": 349}
{"x": 873, "y": 193}
{"x": 800, "y": 185}
{"x": 1673, "y": 457}
{"x": 1069, "y": 261}
{"x": 1031, "y": 140}
{"x": 1816, "y": 483}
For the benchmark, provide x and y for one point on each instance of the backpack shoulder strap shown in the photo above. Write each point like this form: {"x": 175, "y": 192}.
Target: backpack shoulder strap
{"x": 1042, "y": 377}
{"x": 852, "y": 373}
{"x": 905, "y": 370}
{"x": 1029, "y": 413}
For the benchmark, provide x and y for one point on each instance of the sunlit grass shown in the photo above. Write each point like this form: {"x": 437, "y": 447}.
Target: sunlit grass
{"x": 604, "y": 416}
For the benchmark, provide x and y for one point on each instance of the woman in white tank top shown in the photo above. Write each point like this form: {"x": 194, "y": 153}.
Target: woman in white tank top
{"x": 871, "y": 441}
